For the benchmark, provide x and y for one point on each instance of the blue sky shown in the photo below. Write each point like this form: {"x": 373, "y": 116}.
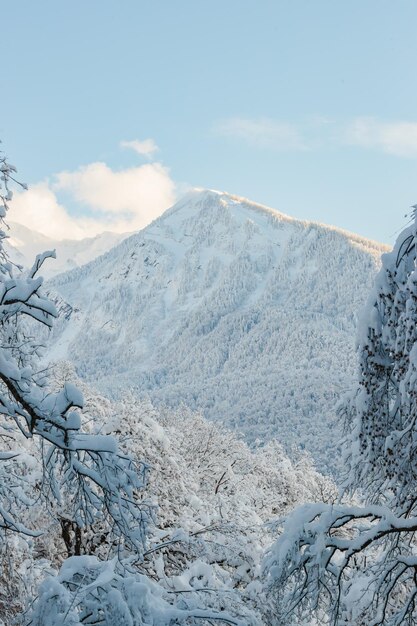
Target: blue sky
{"x": 307, "y": 106}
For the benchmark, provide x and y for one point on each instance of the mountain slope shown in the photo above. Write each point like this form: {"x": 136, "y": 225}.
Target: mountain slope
{"x": 228, "y": 307}
{"x": 24, "y": 244}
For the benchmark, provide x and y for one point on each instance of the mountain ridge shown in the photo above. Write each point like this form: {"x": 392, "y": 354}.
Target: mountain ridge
{"x": 231, "y": 308}
{"x": 23, "y": 244}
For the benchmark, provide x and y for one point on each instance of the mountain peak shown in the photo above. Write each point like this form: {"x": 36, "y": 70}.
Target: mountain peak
{"x": 207, "y": 198}
{"x": 215, "y": 207}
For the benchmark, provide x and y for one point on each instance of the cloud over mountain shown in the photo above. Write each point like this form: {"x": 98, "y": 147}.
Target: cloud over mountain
{"x": 110, "y": 200}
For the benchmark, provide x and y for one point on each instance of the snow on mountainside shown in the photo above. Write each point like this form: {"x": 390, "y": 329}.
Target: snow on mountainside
{"x": 228, "y": 307}
{"x": 24, "y": 244}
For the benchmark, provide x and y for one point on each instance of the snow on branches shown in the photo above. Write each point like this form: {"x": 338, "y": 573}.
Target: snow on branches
{"x": 104, "y": 481}
{"x": 90, "y": 591}
{"x": 84, "y": 476}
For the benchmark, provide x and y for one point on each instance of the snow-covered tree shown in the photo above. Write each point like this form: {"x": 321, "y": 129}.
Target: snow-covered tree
{"x": 91, "y": 591}
{"x": 102, "y": 481}
{"x": 359, "y": 563}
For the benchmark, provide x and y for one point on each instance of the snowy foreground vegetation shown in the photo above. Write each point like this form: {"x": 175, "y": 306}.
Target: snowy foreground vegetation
{"x": 117, "y": 513}
{"x": 210, "y": 500}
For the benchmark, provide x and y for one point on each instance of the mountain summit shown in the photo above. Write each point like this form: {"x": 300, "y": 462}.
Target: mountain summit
{"x": 230, "y": 308}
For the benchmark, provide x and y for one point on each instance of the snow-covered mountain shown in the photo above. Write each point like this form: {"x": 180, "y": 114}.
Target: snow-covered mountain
{"x": 229, "y": 307}
{"x": 24, "y": 244}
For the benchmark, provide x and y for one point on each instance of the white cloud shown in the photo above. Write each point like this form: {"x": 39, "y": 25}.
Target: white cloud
{"x": 137, "y": 190}
{"x": 397, "y": 138}
{"x": 118, "y": 201}
{"x": 263, "y": 133}
{"x": 38, "y": 208}
{"x": 147, "y": 147}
